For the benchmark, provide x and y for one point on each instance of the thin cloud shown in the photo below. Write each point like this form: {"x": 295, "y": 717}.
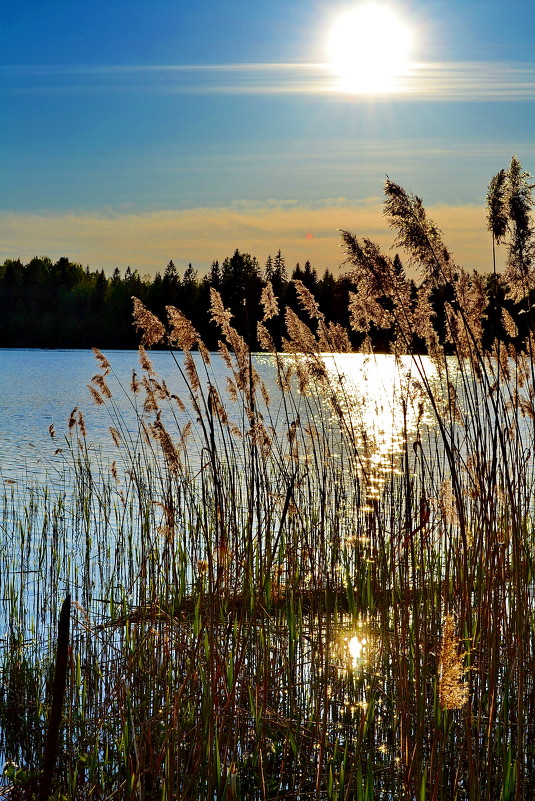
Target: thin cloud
{"x": 147, "y": 241}
{"x": 425, "y": 81}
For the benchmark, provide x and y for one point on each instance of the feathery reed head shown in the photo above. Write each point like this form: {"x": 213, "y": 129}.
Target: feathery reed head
{"x": 100, "y": 382}
{"x": 151, "y": 328}
{"x": 307, "y": 301}
{"x": 497, "y": 206}
{"x": 453, "y": 692}
{"x": 301, "y": 339}
{"x": 144, "y": 360}
{"x": 104, "y": 364}
{"x": 416, "y": 234}
{"x": 218, "y": 313}
{"x": 183, "y": 335}
{"x": 269, "y": 302}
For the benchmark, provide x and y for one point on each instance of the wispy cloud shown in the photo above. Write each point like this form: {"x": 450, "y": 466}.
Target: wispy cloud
{"x": 479, "y": 80}
{"x": 148, "y": 241}
{"x": 437, "y": 81}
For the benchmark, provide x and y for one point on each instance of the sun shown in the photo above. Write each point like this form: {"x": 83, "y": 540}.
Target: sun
{"x": 368, "y": 49}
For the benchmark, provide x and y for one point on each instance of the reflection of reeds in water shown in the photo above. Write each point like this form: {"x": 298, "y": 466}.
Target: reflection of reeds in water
{"x": 257, "y": 624}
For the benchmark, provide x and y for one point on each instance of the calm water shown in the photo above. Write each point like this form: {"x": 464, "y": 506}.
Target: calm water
{"x": 40, "y": 388}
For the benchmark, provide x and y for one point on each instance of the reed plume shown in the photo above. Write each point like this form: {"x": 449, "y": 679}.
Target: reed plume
{"x": 519, "y": 274}
{"x": 497, "y": 210}
{"x": 100, "y": 382}
{"x": 97, "y": 397}
{"x": 105, "y": 366}
{"x": 182, "y": 333}
{"x": 419, "y": 236}
{"x": 453, "y": 691}
{"x": 269, "y": 302}
{"x": 152, "y": 330}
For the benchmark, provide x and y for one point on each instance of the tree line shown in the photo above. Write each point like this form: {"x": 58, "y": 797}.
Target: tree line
{"x": 46, "y": 304}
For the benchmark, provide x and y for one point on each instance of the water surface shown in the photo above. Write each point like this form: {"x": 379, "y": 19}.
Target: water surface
{"x": 40, "y": 388}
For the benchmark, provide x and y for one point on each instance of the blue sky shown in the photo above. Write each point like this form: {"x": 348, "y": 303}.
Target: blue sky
{"x": 132, "y": 133}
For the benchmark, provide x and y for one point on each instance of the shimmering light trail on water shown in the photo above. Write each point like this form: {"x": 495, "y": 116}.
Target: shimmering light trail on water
{"x": 384, "y": 408}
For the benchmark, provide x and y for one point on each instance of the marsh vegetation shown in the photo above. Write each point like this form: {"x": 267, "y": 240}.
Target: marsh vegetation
{"x": 260, "y": 609}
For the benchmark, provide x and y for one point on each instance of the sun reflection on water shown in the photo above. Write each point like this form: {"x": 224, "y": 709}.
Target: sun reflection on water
{"x": 383, "y": 406}
{"x": 354, "y": 649}
{"x": 356, "y": 646}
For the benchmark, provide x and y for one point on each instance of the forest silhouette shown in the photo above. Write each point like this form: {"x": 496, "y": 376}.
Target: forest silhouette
{"x": 60, "y": 304}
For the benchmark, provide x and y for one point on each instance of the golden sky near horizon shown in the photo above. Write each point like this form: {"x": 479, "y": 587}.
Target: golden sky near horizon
{"x": 147, "y": 241}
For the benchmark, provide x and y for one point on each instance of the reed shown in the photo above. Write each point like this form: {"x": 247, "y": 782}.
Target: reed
{"x": 260, "y": 610}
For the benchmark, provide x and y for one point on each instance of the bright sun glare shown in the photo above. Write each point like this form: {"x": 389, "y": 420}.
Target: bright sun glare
{"x": 368, "y": 49}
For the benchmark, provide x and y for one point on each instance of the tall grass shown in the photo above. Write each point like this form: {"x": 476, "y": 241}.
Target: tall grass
{"x": 257, "y": 613}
